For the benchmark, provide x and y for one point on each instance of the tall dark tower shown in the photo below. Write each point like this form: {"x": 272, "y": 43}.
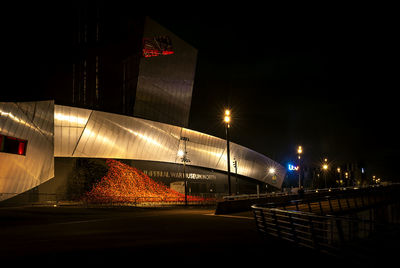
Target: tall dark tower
{"x": 101, "y": 55}
{"x": 130, "y": 65}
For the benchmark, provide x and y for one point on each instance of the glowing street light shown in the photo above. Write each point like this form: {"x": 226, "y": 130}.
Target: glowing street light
{"x": 325, "y": 167}
{"x": 271, "y": 170}
{"x": 181, "y": 153}
{"x": 299, "y": 152}
{"x": 227, "y": 120}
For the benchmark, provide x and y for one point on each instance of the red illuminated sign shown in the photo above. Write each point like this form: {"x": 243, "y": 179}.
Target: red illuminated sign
{"x": 12, "y": 145}
{"x": 157, "y": 46}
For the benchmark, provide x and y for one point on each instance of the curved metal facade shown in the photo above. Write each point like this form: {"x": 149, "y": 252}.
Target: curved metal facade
{"x": 63, "y": 131}
{"x": 31, "y": 121}
{"x": 95, "y": 134}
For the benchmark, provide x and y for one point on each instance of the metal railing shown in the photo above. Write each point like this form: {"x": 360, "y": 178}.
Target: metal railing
{"x": 328, "y": 234}
{"x": 312, "y": 192}
{"x": 333, "y": 235}
{"x": 332, "y": 225}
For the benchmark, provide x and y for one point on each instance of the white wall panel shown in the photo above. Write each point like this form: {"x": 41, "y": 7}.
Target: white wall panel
{"x": 104, "y": 135}
{"x": 34, "y": 122}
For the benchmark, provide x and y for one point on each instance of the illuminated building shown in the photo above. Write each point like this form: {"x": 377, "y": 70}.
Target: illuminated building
{"x": 126, "y": 95}
{"x": 57, "y": 135}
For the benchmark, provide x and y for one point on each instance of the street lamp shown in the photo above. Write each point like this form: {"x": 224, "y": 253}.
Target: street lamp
{"x": 325, "y": 168}
{"x": 340, "y": 180}
{"x": 227, "y": 120}
{"x": 271, "y": 170}
{"x": 235, "y": 165}
{"x": 299, "y": 152}
{"x": 184, "y": 159}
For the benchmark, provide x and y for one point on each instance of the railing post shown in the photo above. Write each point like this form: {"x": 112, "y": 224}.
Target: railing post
{"x": 313, "y": 235}
{"x": 293, "y": 228}
{"x": 320, "y": 207}
{"x": 340, "y": 230}
{"x": 264, "y": 225}
{"x": 347, "y": 202}
{"x": 309, "y": 206}
{"x": 330, "y": 204}
{"x": 276, "y": 223}
{"x": 340, "y": 205}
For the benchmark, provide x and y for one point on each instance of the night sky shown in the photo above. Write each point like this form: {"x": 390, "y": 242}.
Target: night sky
{"x": 327, "y": 84}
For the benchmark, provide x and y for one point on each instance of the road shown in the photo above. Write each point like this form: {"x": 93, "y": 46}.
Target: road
{"x": 174, "y": 236}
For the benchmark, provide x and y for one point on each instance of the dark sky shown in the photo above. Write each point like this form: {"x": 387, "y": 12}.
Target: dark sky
{"x": 327, "y": 84}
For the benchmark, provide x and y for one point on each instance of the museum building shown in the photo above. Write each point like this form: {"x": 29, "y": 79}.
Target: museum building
{"x": 125, "y": 95}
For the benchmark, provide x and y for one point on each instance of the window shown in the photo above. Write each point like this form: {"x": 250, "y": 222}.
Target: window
{"x": 12, "y": 145}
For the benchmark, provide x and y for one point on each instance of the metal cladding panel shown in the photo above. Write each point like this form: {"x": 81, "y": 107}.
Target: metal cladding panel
{"x": 165, "y": 83}
{"x": 69, "y": 123}
{"x": 31, "y": 121}
{"x": 106, "y": 135}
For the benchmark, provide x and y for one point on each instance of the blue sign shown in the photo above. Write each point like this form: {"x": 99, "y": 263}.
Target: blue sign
{"x": 293, "y": 167}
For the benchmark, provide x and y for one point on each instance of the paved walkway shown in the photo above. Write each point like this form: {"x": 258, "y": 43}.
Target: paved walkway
{"x": 182, "y": 237}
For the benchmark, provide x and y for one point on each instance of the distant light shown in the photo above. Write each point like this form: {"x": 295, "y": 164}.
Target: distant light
{"x": 299, "y": 150}
{"x": 227, "y": 112}
{"x": 325, "y": 166}
{"x": 362, "y": 170}
{"x": 271, "y": 170}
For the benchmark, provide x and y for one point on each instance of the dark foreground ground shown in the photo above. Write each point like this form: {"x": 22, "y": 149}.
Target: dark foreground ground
{"x": 142, "y": 236}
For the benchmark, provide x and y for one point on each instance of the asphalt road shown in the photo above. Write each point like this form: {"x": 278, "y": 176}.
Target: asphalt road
{"x": 174, "y": 236}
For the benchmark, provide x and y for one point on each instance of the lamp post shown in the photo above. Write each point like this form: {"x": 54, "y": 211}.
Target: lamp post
{"x": 227, "y": 120}
{"x": 299, "y": 152}
{"x": 184, "y": 159}
{"x": 235, "y": 166}
{"x": 325, "y": 168}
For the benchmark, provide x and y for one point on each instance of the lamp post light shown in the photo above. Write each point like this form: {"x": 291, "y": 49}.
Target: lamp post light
{"x": 271, "y": 170}
{"x": 340, "y": 181}
{"x": 325, "y": 169}
{"x": 299, "y": 152}
{"x": 184, "y": 159}
{"x": 227, "y": 120}
{"x": 235, "y": 166}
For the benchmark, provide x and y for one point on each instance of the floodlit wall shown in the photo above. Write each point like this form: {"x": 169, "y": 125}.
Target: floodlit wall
{"x": 95, "y": 134}
{"x": 61, "y": 131}
{"x": 165, "y": 83}
{"x": 33, "y": 122}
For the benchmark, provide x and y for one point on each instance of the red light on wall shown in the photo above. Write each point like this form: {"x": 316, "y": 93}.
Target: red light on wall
{"x": 21, "y": 148}
{"x": 167, "y": 52}
{"x": 157, "y": 46}
{"x": 12, "y": 145}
